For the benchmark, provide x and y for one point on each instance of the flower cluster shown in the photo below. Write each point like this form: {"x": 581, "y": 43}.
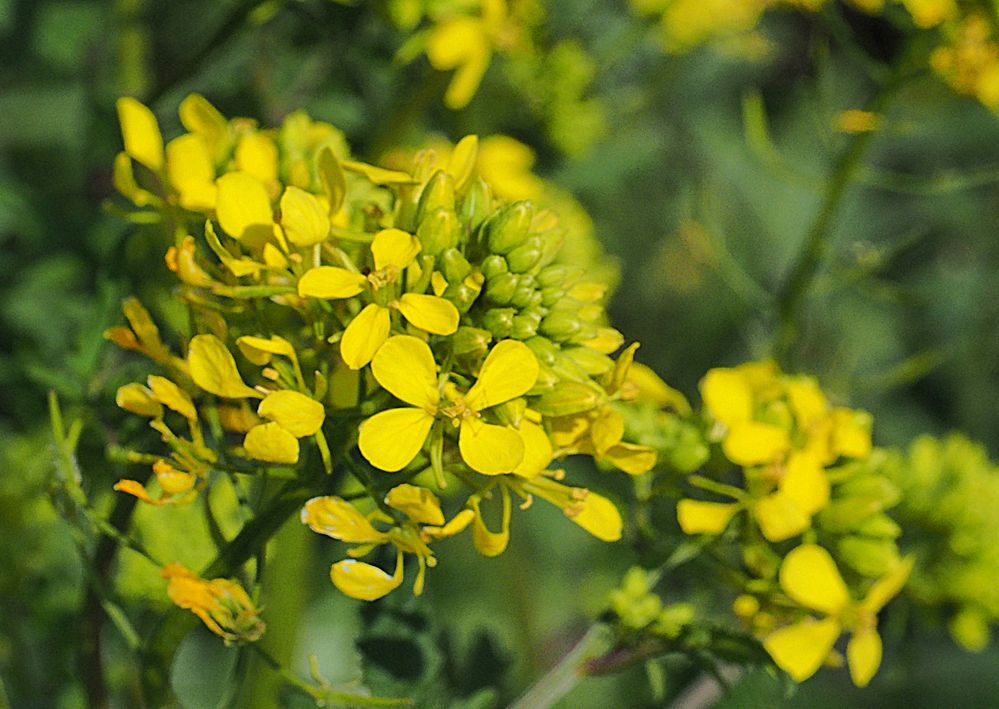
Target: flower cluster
{"x": 406, "y": 331}
{"x": 793, "y": 498}
{"x": 950, "y": 489}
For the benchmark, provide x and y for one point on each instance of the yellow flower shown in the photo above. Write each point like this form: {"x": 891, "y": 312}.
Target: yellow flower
{"x": 177, "y": 486}
{"x": 405, "y": 367}
{"x": 393, "y": 251}
{"x": 223, "y": 605}
{"x": 808, "y": 575}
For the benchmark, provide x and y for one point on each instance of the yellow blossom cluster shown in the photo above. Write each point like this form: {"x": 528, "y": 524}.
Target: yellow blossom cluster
{"x": 403, "y": 337}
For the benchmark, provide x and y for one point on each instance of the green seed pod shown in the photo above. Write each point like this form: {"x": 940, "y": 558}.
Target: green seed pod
{"x": 567, "y": 398}
{"x": 500, "y": 289}
{"x": 454, "y": 265}
{"x": 437, "y": 194}
{"x": 871, "y": 557}
{"x": 499, "y": 321}
{"x": 560, "y": 326}
{"x": 544, "y": 349}
{"x": 523, "y": 295}
{"x": 509, "y": 228}
{"x": 476, "y": 205}
{"x": 559, "y": 275}
{"x": 493, "y": 265}
{"x": 439, "y": 230}
{"x": 524, "y": 326}
{"x": 472, "y": 341}
{"x": 523, "y": 258}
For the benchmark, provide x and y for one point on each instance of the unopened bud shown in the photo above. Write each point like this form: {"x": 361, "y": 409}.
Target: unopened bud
{"x": 470, "y": 341}
{"x": 493, "y": 265}
{"x": 509, "y": 228}
{"x": 499, "y": 321}
{"x": 500, "y": 289}
{"x": 568, "y": 398}
{"x": 454, "y": 265}
{"x": 438, "y": 230}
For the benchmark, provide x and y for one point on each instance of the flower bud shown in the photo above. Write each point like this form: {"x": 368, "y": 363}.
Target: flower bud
{"x": 438, "y": 230}
{"x": 544, "y": 349}
{"x": 871, "y": 557}
{"x": 500, "y": 289}
{"x": 560, "y": 326}
{"x": 525, "y": 326}
{"x": 559, "y": 275}
{"x": 568, "y": 398}
{"x": 476, "y": 205}
{"x": 454, "y": 265}
{"x": 493, "y": 265}
{"x": 437, "y": 194}
{"x": 509, "y": 228}
{"x": 470, "y": 341}
{"x": 524, "y": 295}
{"x": 464, "y": 293}
{"x": 523, "y": 258}
{"x": 499, "y": 321}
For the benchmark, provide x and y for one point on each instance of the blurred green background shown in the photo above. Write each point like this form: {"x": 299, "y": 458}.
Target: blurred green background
{"x": 707, "y": 175}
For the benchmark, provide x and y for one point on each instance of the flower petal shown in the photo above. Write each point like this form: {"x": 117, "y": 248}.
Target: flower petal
{"x": 727, "y": 395}
{"x": 509, "y": 371}
{"x": 405, "y": 367}
{"x": 810, "y": 577}
{"x": 417, "y": 503}
{"x": 394, "y": 247}
{"x": 800, "y": 649}
{"x": 754, "y": 443}
{"x": 429, "y": 313}
{"x": 699, "y": 517}
{"x": 631, "y": 458}
{"x": 490, "y": 449}
{"x": 337, "y": 518}
{"x": 243, "y": 208}
{"x": 888, "y": 586}
{"x": 213, "y": 369}
{"x": 191, "y": 172}
{"x": 779, "y": 517}
{"x": 271, "y": 443}
{"x": 172, "y": 396}
{"x": 140, "y": 132}
{"x": 537, "y": 450}
{"x": 303, "y": 218}
{"x": 364, "y": 581}
{"x": 487, "y": 542}
{"x": 329, "y": 282}
{"x": 598, "y": 516}
{"x": 139, "y": 400}
{"x": 863, "y": 654}
{"x": 366, "y": 333}
{"x": 390, "y": 440}
{"x": 297, "y": 413}
{"x": 805, "y": 483}
{"x": 259, "y": 350}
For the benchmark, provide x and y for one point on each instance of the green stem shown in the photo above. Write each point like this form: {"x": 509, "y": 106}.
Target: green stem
{"x": 569, "y": 671}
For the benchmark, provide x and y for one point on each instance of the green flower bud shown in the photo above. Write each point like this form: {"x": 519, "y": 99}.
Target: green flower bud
{"x": 568, "y": 398}
{"x": 493, "y": 265}
{"x": 500, "y": 289}
{"x": 546, "y": 381}
{"x": 848, "y": 514}
{"x": 509, "y": 227}
{"x": 870, "y": 557}
{"x": 499, "y": 321}
{"x": 511, "y": 413}
{"x": 559, "y": 275}
{"x": 544, "y": 349}
{"x": 551, "y": 295}
{"x": 524, "y": 326}
{"x": 560, "y": 326}
{"x": 476, "y": 205}
{"x": 523, "y": 258}
{"x": 454, "y": 265}
{"x": 524, "y": 295}
{"x": 761, "y": 560}
{"x": 591, "y": 361}
{"x": 876, "y": 487}
{"x": 439, "y": 230}
{"x": 464, "y": 293}
{"x": 880, "y": 525}
{"x": 437, "y": 194}
{"x": 551, "y": 245}
{"x": 470, "y": 341}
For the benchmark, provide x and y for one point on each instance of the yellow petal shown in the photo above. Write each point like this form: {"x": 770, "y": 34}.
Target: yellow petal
{"x": 297, "y": 413}
{"x": 461, "y": 164}
{"x": 172, "y": 396}
{"x": 337, "y": 518}
{"x": 652, "y": 388}
{"x": 754, "y": 443}
{"x": 807, "y": 400}
{"x": 487, "y": 542}
{"x": 631, "y": 458}
{"x": 457, "y": 525}
{"x": 135, "y": 488}
{"x": 123, "y": 179}
{"x": 800, "y": 649}
{"x": 863, "y": 654}
{"x": 303, "y": 218}
{"x": 390, "y": 439}
{"x": 378, "y": 175}
{"x": 417, "y": 503}
{"x": 141, "y": 133}
{"x": 257, "y": 155}
{"x": 394, "y": 247}
{"x": 364, "y": 581}
{"x": 271, "y": 443}
{"x": 259, "y": 350}
{"x": 364, "y": 335}
{"x": 537, "y": 450}
{"x": 888, "y": 586}
{"x": 139, "y": 400}
{"x": 598, "y": 516}
{"x": 606, "y": 429}
{"x": 405, "y": 367}
{"x": 851, "y": 433}
{"x": 171, "y": 480}
{"x": 810, "y": 577}
{"x": 699, "y": 517}
{"x": 243, "y": 208}
{"x": 779, "y": 517}
{"x": 805, "y": 483}
{"x": 330, "y": 282}
{"x": 213, "y": 369}
{"x": 727, "y": 396}
{"x": 509, "y": 371}
{"x": 199, "y": 116}
{"x": 332, "y": 179}
{"x": 191, "y": 172}
{"x": 490, "y": 449}
{"x": 460, "y": 43}
{"x": 429, "y": 313}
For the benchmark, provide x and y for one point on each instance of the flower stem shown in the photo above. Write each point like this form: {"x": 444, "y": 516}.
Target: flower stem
{"x": 563, "y": 677}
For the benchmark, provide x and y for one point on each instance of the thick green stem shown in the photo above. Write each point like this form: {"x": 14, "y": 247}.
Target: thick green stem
{"x": 564, "y": 676}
